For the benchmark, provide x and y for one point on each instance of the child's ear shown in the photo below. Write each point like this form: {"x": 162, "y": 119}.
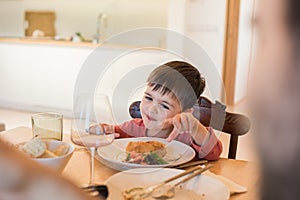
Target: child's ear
{"x": 189, "y": 110}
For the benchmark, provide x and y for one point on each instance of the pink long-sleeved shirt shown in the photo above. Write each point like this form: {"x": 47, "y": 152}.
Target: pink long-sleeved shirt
{"x": 211, "y": 150}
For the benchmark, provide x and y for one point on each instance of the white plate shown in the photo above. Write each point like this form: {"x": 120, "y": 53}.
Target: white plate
{"x": 114, "y": 154}
{"x": 211, "y": 188}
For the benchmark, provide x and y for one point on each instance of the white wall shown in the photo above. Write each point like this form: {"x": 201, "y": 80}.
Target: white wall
{"x": 244, "y": 50}
{"x": 206, "y": 26}
{"x": 204, "y": 23}
{"x": 81, "y": 15}
{"x": 11, "y": 18}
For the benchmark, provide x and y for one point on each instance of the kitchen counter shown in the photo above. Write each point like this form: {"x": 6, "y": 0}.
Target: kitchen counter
{"x": 39, "y": 75}
{"x": 27, "y": 40}
{"x": 52, "y": 42}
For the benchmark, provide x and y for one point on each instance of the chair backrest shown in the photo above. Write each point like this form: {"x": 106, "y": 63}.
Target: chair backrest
{"x": 215, "y": 116}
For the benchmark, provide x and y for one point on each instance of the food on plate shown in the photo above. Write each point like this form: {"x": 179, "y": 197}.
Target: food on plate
{"x": 146, "y": 153}
{"x": 144, "y": 159}
{"x": 147, "y": 147}
{"x": 180, "y": 194}
{"x": 36, "y": 148}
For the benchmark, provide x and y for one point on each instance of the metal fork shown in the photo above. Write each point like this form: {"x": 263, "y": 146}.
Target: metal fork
{"x": 146, "y": 192}
{"x": 170, "y": 191}
{"x": 97, "y": 191}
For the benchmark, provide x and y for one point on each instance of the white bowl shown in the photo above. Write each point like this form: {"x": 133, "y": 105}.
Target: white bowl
{"x": 60, "y": 162}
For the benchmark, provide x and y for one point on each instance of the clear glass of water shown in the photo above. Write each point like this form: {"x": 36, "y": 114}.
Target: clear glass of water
{"x": 47, "y": 125}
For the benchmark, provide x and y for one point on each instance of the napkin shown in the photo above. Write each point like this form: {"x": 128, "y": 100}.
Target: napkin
{"x": 231, "y": 185}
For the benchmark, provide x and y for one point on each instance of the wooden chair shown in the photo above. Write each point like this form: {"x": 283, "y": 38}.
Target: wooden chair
{"x": 215, "y": 116}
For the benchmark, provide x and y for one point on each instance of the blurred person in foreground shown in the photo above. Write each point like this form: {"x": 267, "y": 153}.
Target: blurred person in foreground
{"x": 275, "y": 97}
{"x": 22, "y": 178}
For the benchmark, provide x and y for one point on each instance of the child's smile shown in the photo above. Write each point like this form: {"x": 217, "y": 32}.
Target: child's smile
{"x": 149, "y": 118}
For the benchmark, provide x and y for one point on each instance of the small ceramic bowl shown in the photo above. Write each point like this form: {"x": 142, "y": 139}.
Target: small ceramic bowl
{"x": 60, "y": 162}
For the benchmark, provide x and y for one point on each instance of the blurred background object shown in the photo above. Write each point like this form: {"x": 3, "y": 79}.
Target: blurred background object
{"x": 40, "y": 20}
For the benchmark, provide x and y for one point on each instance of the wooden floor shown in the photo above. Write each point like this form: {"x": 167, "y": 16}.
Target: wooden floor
{"x": 245, "y": 151}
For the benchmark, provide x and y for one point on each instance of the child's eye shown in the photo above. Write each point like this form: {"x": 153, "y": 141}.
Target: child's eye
{"x": 165, "y": 106}
{"x": 148, "y": 98}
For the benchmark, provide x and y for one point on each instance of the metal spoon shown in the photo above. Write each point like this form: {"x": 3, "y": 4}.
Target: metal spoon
{"x": 169, "y": 192}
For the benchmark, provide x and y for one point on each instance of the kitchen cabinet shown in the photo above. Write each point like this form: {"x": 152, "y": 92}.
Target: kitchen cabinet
{"x": 39, "y": 77}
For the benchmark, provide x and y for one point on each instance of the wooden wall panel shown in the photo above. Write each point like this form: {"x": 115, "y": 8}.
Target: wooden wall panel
{"x": 230, "y": 50}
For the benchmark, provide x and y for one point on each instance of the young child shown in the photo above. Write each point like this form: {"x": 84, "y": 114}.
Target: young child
{"x": 166, "y": 108}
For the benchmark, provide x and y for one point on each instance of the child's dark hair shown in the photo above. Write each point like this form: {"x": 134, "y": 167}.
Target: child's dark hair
{"x": 180, "y": 78}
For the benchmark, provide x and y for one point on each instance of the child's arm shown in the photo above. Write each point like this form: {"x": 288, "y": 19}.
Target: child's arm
{"x": 211, "y": 148}
{"x": 106, "y": 128}
{"x": 132, "y": 128}
{"x": 204, "y": 141}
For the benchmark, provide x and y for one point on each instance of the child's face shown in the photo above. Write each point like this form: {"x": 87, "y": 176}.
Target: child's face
{"x": 156, "y": 107}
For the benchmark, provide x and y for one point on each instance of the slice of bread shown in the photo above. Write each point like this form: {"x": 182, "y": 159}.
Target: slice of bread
{"x": 35, "y": 147}
{"x": 61, "y": 150}
{"x": 48, "y": 154}
{"x": 147, "y": 147}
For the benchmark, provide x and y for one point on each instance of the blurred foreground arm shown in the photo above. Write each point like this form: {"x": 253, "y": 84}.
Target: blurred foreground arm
{"x": 22, "y": 178}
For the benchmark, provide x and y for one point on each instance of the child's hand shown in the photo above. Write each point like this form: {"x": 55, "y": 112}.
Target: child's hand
{"x": 186, "y": 123}
{"x": 182, "y": 123}
{"x": 103, "y": 128}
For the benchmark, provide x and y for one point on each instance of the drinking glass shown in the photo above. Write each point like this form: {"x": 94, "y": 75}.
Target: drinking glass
{"x": 90, "y": 113}
{"x": 47, "y": 125}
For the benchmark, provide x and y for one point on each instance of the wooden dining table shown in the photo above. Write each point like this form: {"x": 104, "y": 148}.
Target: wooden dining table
{"x": 245, "y": 173}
